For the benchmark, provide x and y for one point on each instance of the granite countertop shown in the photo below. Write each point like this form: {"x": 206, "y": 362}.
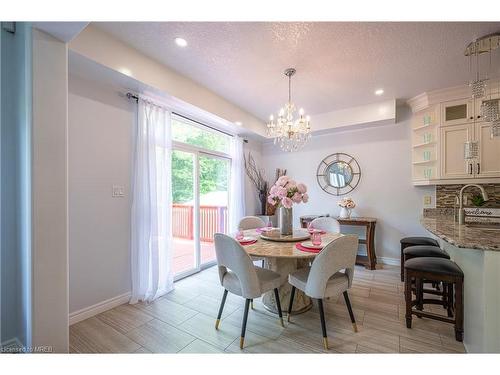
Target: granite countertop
{"x": 444, "y": 227}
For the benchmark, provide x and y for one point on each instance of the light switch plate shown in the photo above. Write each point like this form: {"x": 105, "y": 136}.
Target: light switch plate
{"x": 118, "y": 191}
{"x": 427, "y": 200}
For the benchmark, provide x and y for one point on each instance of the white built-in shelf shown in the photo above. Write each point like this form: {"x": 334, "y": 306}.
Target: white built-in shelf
{"x": 423, "y": 162}
{"x": 424, "y": 144}
{"x": 423, "y": 127}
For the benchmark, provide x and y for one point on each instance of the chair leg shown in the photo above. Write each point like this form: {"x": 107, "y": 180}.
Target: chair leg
{"x": 351, "y": 314}
{"x": 244, "y": 324}
{"x": 220, "y": 309}
{"x": 291, "y": 303}
{"x": 278, "y": 305}
{"x": 450, "y": 302}
{"x": 323, "y": 324}
{"x": 402, "y": 264}
{"x": 262, "y": 263}
{"x": 419, "y": 287}
{"x": 251, "y": 304}
{"x": 408, "y": 296}
{"x": 459, "y": 310}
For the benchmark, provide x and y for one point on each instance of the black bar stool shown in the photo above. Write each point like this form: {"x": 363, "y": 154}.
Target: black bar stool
{"x": 422, "y": 251}
{"x": 414, "y": 241}
{"x": 440, "y": 270}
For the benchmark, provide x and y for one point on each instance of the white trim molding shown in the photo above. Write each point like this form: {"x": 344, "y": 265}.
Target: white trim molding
{"x": 88, "y": 312}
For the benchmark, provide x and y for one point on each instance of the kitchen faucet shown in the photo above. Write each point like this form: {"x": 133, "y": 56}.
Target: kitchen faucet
{"x": 461, "y": 211}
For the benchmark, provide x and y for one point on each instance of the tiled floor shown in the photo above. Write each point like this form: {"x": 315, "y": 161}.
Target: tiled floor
{"x": 183, "y": 322}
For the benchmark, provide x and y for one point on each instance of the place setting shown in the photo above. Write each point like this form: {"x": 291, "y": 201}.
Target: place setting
{"x": 315, "y": 245}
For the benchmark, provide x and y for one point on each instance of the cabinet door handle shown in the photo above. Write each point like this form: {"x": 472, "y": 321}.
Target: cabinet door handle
{"x": 470, "y": 168}
{"x": 478, "y": 168}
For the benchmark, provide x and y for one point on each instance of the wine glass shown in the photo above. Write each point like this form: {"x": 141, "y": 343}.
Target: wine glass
{"x": 316, "y": 238}
{"x": 310, "y": 227}
{"x": 269, "y": 224}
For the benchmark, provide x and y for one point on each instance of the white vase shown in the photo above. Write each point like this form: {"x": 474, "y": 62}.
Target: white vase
{"x": 345, "y": 213}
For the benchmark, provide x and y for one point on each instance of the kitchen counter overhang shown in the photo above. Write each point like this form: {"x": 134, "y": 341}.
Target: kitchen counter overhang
{"x": 466, "y": 236}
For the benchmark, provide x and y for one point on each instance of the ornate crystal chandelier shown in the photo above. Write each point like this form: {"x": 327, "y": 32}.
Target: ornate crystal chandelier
{"x": 290, "y": 131}
{"x": 489, "y": 109}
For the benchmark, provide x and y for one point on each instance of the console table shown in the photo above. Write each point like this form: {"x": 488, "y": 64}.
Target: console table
{"x": 369, "y": 260}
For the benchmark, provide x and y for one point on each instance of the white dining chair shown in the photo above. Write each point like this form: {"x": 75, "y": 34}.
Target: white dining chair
{"x": 328, "y": 224}
{"x": 238, "y": 275}
{"x": 252, "y": 222}
{"x": 329, "y": 275}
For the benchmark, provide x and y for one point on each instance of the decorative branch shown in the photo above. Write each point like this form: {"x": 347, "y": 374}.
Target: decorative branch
{"x": 258, "y": 178}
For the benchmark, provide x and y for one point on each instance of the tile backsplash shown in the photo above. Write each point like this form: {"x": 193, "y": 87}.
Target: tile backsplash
{"x": 445, "y": 195}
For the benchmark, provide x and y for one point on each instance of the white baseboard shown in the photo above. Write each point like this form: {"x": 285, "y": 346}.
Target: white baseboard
{"x": 88, "y": 312}
{"x": 389, "y": 261}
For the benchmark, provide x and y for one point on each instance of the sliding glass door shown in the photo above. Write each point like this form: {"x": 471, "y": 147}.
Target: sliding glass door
{"x": 183, "y": 211}
{"x": 200, "y": 187}
{"x": 214, "y": 198}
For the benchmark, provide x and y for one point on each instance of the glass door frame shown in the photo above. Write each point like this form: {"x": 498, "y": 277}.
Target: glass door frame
{"x": 197, "y": 152}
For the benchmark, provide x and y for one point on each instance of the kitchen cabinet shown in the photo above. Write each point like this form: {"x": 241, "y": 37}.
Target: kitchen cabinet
{"x": 488, "y": 163}
{"x": 452, "y": 139}
{"x": 443, "y": 121}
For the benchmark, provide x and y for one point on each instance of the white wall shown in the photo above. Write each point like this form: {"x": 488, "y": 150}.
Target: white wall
{"x": 100, "y": 129}
{"x": 50, "y": 192}
{"x": 385, "y": 190}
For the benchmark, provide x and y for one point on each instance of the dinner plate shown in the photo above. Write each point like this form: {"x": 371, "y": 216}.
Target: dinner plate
{"x": 310, "y": 245}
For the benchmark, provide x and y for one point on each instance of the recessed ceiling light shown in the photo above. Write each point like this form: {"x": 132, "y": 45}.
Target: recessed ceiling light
{"x": 239, "y": 123}
{"x": 379, "y": 92}
{"x": 181, "y": 42}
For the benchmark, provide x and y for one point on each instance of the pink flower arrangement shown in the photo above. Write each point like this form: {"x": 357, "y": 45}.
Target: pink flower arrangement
{"x": 347, "y": 203}
{"x": 287, "y": 192}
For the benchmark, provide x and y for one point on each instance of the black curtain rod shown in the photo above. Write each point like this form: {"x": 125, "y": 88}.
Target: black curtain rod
{"x": 136, "y": 98}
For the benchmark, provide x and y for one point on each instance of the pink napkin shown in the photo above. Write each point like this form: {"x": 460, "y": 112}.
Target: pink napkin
{"x": 243, "y": 243}
{"x": 300, "y": 247}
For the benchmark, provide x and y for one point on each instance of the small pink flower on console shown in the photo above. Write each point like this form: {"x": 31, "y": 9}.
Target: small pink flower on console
{"x": 273, "y": 190}
{"x": 305, "y": 198}
{"x": 271, "y": 200}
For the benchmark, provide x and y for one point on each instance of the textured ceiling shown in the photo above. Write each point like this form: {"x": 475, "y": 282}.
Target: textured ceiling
{"x": 339, "y": 65}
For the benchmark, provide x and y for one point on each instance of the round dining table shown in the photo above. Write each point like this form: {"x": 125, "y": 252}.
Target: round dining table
{"x": 281, "y": 255}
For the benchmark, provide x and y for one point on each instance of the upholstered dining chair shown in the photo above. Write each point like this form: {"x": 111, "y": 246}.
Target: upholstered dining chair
{"x": 328, "y": 224}
{"x": 238, "y": 275}
{"x": 252, "y": 222}
{"x": 329, "y": 275}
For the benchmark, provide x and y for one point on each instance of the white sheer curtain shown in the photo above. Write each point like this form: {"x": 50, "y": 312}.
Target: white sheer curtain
{"x": 237, "y": 191}
{"x": 151, "y": 225}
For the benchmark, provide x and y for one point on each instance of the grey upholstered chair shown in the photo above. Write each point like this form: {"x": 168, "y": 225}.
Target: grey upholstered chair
{"x": 252, "y": 222}
{"x": 330, "y": 274}
{"x": 328, "y": 224}
{"x": 240, "y": 276}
